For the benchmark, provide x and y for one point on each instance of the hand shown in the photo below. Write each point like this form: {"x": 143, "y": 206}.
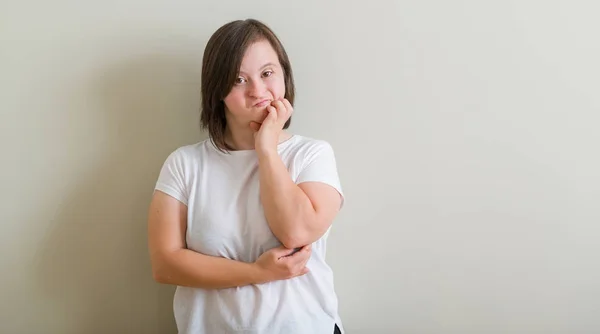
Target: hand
{"x": 266, "y": 135}
{"x": 281, "y": 263}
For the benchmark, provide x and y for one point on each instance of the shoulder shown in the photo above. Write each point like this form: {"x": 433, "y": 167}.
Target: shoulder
{"x": 179, "y": 170}
{"x": 189, "y": 153}
{"x": 184, "y": 160}
{"x": 308, "y": 145}
{"x": 315, "y": 162}
{"x": 305, "y": 151}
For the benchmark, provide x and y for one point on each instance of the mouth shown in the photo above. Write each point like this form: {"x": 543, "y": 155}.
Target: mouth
{"x": 262, "y": 103}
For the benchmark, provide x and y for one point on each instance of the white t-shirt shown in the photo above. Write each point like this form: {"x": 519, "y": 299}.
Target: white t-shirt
{"x": 226, "y": 219}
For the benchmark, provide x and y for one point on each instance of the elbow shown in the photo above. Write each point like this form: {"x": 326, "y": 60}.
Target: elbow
{"x": 295, "y": 239}
{"x": 158, "y": 275}
{"x": 303, "y": 234}
{"x": 160, "y": 271}
{"x": 291, "y": 243}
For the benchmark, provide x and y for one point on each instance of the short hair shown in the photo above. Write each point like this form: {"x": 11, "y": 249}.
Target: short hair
{"x": 220, "y": 67}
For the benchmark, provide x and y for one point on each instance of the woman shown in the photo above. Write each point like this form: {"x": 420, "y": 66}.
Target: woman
{"x": 239, "y": 221}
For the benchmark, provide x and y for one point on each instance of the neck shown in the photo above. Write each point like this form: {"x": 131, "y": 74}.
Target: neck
{"x": 243, "y": 139}
{"x": 239, "y": 139}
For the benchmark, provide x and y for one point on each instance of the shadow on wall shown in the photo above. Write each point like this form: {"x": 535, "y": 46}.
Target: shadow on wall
{"x": 95, "y": 268}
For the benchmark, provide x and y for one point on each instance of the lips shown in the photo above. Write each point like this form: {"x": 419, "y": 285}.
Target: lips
{"x": 262, "y": 103}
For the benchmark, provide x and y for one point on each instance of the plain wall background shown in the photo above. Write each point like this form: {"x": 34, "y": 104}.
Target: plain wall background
{"x": 466, "y": 132}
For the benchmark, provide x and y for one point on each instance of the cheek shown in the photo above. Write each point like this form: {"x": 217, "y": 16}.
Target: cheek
{"x": 278, "y": 88}
{"x": 235, "y": 99}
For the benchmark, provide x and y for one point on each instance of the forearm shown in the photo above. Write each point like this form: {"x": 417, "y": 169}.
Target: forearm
{"x": 287, "y": 208}
{"x": 188, "y": 268}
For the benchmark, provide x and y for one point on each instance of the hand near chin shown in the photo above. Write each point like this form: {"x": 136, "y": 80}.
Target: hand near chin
{"x": 266, "y": 135}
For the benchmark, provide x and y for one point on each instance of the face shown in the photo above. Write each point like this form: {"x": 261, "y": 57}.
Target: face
{"x": 260, "y": 81}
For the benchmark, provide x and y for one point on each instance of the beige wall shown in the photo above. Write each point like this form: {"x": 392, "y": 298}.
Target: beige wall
{"x": 466, "y": 133}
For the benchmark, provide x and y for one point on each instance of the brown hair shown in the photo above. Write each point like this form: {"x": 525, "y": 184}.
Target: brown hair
{"x": 220, "y": 67}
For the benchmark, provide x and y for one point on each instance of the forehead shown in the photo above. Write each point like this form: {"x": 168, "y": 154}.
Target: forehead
{"x": 258, "y": 54}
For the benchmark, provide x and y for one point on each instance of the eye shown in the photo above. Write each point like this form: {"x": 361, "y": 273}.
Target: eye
{"x": 239, "y": 81}
{"x": 267, "y": 73}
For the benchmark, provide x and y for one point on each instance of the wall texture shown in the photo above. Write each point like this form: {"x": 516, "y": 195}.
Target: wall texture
{"x": 466, "y": 134}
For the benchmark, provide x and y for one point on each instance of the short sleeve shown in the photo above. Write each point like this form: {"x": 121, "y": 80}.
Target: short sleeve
{"x": 171, "y": 179}
{"x": 320, "y": 166}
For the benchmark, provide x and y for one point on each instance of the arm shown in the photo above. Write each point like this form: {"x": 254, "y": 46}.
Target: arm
{"x": 298, "y": 215}
{"x": 173, "y": 264}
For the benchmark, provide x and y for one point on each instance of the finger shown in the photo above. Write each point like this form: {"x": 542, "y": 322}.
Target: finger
{"x": 288, "y": 106}
{"x": 283, "y": 112}
{"x": 271, "y": 116}
{"x": 304, "y": 271}
{"x": 281, "y": 108}
{"x": 302, "y": 257}
{"x": 307, "y": 250}
{"x": 280, "y": 251}
{"x": 293, "y": 255}
{"x": 285, "y": 116}
{"x": 304, "y": 265}
{"x": 295, "y": 250}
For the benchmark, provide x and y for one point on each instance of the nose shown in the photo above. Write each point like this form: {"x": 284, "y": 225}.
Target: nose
{"x": 257, "y": 88}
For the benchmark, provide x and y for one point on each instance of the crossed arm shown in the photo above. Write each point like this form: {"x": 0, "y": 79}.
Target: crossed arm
{"x": 173, "y": 263}
{"x": 297, "y": 215}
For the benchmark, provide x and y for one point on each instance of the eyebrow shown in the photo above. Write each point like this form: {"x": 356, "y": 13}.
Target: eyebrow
{"x": 262, "y": 67}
